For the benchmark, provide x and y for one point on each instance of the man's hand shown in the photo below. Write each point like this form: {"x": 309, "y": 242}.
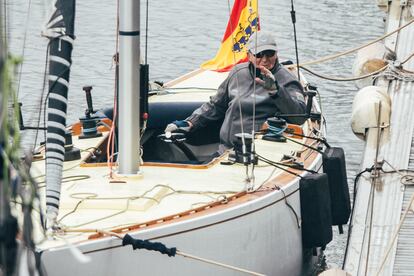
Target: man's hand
{"x": 183, "y": 126}
{"x": 268, "y": 82}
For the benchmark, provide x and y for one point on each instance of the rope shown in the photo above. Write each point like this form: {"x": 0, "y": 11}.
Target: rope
{"x": 373, "y": 184}
{"x": 394, "y": 236}
{"x": 408, "y": 58}
{"x": 326, "y": 77}
{"x": 352, "y": 212}
{"x": 277, "y": 166}
{"x": 218, "y": 264}
{"x": 390, "y": 72}
{"x": 371, "y": 216}
{"x": 397, "y": 73}
{"x": 402, "y": 181}
{"x": 169, "y": 251}
{"x": 356, "y": 48}
{"x": 93, "y": 196}
{"x": 305, "y": 145}
{"x": 289, "y": 206}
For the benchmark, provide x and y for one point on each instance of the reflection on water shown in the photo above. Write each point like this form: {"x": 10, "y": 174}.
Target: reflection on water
{"x": 183, "y": 34}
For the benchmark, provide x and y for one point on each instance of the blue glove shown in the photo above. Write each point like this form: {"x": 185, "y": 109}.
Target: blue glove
{"x": 175, "y": 126}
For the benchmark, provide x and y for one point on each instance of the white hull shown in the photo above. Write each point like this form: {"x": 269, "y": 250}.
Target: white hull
{"x": 260, "y": 236}
{"x": 255, "y": 231}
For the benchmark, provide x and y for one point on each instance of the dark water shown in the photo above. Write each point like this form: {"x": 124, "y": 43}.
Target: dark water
{"x": 182, "y": 35}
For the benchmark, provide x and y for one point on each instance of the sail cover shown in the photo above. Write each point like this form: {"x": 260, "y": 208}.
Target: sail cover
{"x": 60, "y": 32}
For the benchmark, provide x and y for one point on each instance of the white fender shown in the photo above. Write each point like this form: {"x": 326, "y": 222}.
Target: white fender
{"x": 365, "y": 110}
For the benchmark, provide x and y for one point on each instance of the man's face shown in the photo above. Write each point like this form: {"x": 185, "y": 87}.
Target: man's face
{"x": 265, "y": 58}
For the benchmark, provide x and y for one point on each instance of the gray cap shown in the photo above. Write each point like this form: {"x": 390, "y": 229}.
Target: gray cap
{"x": 265, "y": 41}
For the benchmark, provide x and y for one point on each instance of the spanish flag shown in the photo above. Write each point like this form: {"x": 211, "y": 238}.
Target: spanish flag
{"x": 243, "y": 22}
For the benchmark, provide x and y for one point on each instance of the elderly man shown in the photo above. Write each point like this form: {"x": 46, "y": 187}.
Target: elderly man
{"x": 276, "y": 91}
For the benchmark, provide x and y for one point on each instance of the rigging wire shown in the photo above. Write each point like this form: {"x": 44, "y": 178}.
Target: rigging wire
{"x": 110, "y": 146}
{"x": 5, "y": 25}
{"x": 305, "y": 145}
{"x": 41, "y": 101}
{"x": 253, "y": 145}
{"x": 293, "y": 16}
{"x": 238, "y": 93}
{"x": 20, "y": 69}
{"x": 146, "y": 33}
{"x": 294, "y": 166}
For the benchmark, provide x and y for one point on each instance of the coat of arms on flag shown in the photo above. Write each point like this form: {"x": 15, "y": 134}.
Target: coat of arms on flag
{"x": 243, "y": 23}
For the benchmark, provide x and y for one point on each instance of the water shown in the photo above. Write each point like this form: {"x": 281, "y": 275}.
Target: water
{"x": 182, "y": 35}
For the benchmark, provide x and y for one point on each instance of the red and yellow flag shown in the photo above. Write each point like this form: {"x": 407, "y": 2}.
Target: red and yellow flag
{"x": 243, "y": 22}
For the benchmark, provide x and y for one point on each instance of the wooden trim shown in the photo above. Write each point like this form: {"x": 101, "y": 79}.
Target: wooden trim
{"x": 76, "y": 128}
{"x": 156, "y": 222}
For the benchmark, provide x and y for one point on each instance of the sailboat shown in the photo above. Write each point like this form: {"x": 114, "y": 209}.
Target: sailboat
{"x": 261, "y": 212}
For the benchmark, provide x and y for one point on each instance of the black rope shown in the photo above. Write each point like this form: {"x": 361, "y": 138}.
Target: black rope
{"x": 277, "y": 166}
{"x": 322, "y": 140}
{"x": 288, "y": 205}
{"x": 352, "y": 210}
{"x": 293, "y": 16}
{"x": 146, "y": 244}
{"x": 302, "y": 144}
{"x": 296, "y": 166}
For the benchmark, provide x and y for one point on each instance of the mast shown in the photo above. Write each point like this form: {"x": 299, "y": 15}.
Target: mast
{"x": 129, "y": 78}
{"x": 60, "y": 31}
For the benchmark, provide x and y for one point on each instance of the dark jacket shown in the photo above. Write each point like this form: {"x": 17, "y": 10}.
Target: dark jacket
{"x": 240, "y": 84}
